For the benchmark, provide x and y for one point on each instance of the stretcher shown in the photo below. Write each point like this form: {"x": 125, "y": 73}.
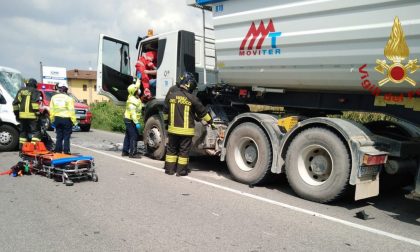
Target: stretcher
{"x": 61, "y": 167}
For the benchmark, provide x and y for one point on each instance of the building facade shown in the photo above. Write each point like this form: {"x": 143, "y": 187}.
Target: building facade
{"x": 82, "y": 84}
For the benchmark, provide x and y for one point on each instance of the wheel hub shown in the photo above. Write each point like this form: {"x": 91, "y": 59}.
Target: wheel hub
{"x": 246, "y": 154}
{"x": 250, "y": 153}
{"x": 154, "y": 138}
{"x": 315, "y": 164}
{"x": 319, "y": 165}
{"x": 5, "y": 138}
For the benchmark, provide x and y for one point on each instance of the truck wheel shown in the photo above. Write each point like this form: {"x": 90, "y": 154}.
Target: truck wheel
{"x": 85, "y": 127}
{"x": 248, "y": 154}
{"x": 154, "y": 137}
{"x": 9, "y": 138}
{"x": 318, "y": 165}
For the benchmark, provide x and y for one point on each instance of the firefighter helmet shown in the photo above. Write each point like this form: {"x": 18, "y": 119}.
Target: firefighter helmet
{"x": 31, "y": 83}
{"x": 188, "y": 81}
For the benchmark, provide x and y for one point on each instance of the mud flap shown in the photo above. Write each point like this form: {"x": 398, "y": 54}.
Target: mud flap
{"x": 367, "y": 188}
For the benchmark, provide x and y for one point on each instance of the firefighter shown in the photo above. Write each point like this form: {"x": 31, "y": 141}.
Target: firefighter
{"x": 181, "y": 107}
{"x": 63, "y": 117}
{"x": 26, "y": 110}
{"x": 132, "y": 116}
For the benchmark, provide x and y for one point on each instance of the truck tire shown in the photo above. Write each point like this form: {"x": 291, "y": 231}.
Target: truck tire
{"x": 155, "y": 137}
{"x": 318, "y": 165}
{"x": 9, "y": 138}
{"x": 85, "y": 127}
{"x": 249, "y": 154}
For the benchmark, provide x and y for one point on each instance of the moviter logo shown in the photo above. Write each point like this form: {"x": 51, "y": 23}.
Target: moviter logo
{"x": 260, "y": 34}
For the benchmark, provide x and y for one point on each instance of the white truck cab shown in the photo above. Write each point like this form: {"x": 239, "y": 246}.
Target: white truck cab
{"x": 10, "y": 82}
{"x": 177, "y": 51}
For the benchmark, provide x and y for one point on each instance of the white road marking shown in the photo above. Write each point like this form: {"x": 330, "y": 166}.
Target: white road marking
{"x": 273, "y": 202}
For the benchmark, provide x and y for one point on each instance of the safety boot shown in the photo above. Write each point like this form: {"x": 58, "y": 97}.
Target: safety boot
{"x": 137, "y": 155}
{"x": 183, "y": 172}
{"x": 169, "y": 171}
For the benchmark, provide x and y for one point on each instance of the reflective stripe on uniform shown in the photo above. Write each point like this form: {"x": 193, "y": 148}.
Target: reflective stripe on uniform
{"x": 35, "y": 106}
{"x": 186, "y": 116}
{"x": 207, "y": 117}
{"x": 172, "y": 114}
{"x": 27, "y": 115}
{"x": 181, "y": 131}
{"x": 27, "y": 103}
{"x": 22, "y": 139}
{"x": 171, "y": 158}
{"x": 182, "y": 160}
{"x": 36, "y": 139}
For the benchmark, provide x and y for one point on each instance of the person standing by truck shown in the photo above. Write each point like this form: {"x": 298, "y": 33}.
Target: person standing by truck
{"x": 146, "y": 67}
{"x": 132, "y": 116}
{"x": 26, "y": 110}
{"x": 182, "y": 106}
{"x": 63, "y": 117}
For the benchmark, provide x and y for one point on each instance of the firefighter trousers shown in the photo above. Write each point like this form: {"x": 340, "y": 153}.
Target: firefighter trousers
{"x": 177, "y": 154}
{"x": 30, "y": 131}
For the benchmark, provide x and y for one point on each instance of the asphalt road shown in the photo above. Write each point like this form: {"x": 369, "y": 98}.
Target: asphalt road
{"x": 136, "y": 207}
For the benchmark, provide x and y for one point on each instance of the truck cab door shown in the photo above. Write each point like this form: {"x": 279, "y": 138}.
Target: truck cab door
{"x": 113, "y": 73}
{"x": 175, "y": 55}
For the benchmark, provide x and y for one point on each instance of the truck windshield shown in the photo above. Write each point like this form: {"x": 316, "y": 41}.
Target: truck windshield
{"x": 11, "y": 82}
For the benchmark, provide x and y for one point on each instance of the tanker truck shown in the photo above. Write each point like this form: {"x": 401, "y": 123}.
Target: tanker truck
{"x": 315, "y": 59}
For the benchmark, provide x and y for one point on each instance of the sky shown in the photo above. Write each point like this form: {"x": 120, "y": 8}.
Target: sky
{"x": 63, "y": 33}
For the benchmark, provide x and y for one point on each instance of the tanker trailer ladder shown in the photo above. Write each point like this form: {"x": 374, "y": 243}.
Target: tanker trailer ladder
{"x": 208, "y": 43}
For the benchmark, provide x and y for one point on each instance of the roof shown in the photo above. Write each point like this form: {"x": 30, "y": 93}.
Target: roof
{"x": 203, "y": 2}
{"x": 81, "y": 74}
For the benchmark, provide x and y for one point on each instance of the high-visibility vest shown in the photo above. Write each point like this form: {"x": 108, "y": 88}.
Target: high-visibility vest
{"x": 133, "y": 109}
{"x": 62, "y": 105}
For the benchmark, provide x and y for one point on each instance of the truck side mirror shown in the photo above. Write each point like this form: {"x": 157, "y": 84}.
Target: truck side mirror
{"x": 2, "y": 99}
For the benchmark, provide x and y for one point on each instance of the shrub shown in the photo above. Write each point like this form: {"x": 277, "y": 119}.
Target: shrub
{"x": 108, "y": 116}
{"x": 364, "y": 117}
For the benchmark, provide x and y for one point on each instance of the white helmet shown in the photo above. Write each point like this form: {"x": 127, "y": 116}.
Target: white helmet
{"x": 62, "y": 87}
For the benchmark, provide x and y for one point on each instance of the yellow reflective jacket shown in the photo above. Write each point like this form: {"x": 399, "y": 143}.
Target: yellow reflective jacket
{"x": 62, "y": 105}
{"x": 133, "y": 106}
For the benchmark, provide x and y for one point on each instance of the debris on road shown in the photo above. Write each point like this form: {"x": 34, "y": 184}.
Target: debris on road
{"x": 363, "y": 215}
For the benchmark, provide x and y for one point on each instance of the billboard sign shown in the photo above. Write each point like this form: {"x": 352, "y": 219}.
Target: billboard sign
{"x": 54, "y": 75}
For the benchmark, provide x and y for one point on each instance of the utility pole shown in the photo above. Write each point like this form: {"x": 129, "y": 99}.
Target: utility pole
{"x": 40, "y": 68}
{"x": 204, "y": 47}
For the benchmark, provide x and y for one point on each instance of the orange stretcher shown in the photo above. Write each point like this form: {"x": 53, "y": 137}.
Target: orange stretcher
{"x": 61, "y": 167}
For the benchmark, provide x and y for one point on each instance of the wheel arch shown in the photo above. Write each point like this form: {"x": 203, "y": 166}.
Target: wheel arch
{"x": 268, "y": 124}
{"x": 356, "y": 137}
{"x": 16, "y": 127}
{"x": 153, "y": 107}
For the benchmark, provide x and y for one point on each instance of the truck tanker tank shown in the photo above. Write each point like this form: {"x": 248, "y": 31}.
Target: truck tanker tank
{"x": 318, "y": 45}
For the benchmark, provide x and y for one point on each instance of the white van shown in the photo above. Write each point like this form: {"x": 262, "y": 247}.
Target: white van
{"x": 10, "y": 82}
